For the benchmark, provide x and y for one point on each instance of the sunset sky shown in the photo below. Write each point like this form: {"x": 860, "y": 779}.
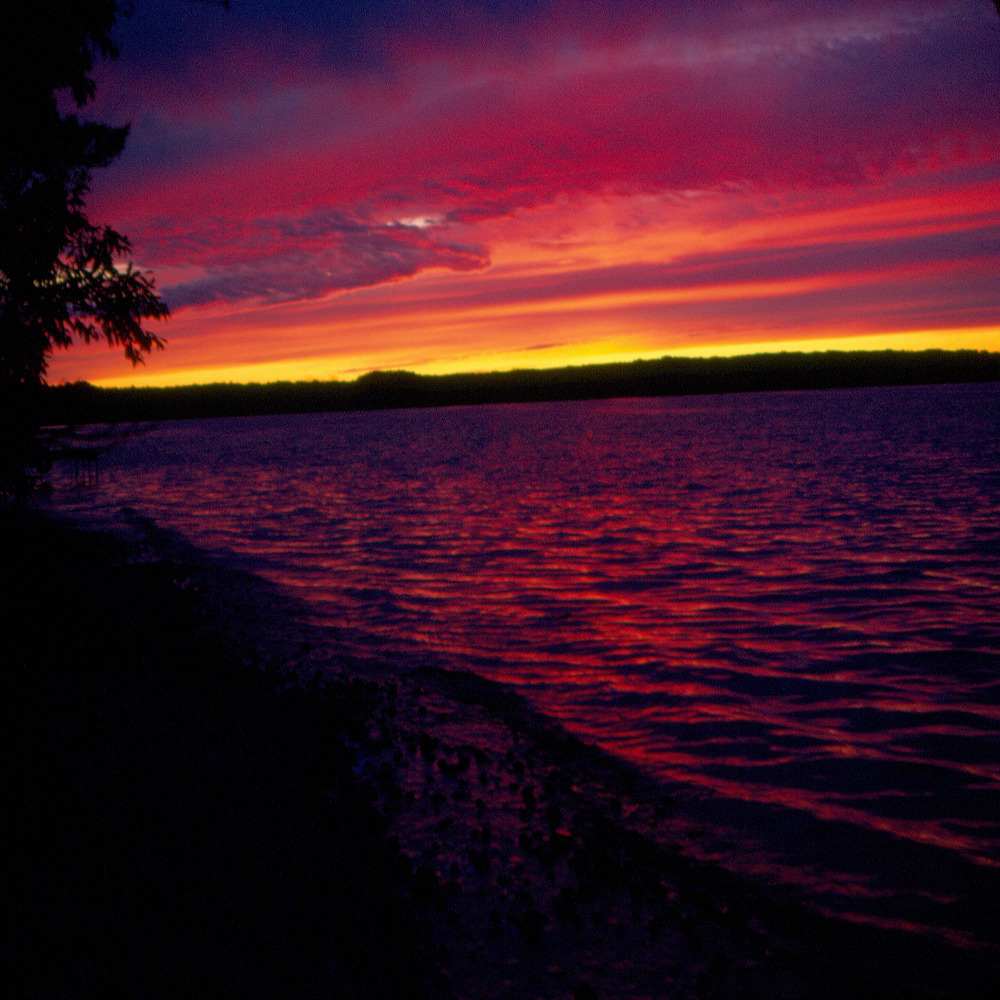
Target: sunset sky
{"x": 324, "y": 188}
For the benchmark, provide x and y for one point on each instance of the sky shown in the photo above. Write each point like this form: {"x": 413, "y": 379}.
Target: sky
{"x": 326, "y": 188}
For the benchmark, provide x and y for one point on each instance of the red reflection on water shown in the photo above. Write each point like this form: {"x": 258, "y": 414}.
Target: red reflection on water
{"x": 719, "y": 591}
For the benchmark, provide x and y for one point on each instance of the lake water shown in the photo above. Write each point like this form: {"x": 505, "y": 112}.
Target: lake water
{"x": 784, "y": 606}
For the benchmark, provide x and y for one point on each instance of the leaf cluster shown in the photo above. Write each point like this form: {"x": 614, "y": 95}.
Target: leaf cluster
{"x": 62, "y": 278}
{"x": 60, "y": 275}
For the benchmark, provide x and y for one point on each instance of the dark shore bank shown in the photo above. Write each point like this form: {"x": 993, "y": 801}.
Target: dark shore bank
{"x": 190, "y": 820}
{"x": 178, "y": 829}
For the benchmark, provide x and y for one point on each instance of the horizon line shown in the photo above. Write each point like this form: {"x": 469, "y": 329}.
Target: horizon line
{"x": 480, "y": 373}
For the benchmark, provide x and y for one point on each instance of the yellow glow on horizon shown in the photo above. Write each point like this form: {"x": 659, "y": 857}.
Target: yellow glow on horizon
{"x": 597, "y": 352}
{"x": 981, "y": 339}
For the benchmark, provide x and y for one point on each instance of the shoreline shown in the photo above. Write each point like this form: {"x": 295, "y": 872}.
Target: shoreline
{"x": 504, "y": 857}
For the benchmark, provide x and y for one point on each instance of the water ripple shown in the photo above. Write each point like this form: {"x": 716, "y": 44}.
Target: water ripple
{"x": 783, "y": 605}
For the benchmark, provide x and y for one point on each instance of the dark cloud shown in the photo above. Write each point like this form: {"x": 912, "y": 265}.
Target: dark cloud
{"x": 370, "y": 36}
{"x": 306, "y": 258}
{"x": 352, "y": 36}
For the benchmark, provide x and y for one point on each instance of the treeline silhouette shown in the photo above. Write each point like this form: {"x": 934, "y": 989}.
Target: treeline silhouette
{"x": 80, "y": 402}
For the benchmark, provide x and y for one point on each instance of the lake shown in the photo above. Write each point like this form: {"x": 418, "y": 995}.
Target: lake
{"x": 784, "y": 606}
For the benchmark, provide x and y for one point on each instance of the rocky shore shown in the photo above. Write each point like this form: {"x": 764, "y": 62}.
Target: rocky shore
{"x": 200, "y": 809}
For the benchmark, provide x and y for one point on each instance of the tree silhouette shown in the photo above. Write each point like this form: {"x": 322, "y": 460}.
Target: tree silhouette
{"x": 61, "y": 277}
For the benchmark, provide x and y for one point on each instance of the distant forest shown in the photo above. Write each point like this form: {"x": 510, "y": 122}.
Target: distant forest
{"x": 81, "y": 403}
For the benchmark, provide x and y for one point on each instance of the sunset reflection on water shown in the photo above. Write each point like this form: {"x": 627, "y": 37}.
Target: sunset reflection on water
{"x": 781, "y": 605}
